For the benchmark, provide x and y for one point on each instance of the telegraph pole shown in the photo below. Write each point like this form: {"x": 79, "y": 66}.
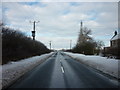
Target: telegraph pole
{"x": 33, "y": 32}
{"x": 70, "y": 44}
{"x": 50, "y": 45}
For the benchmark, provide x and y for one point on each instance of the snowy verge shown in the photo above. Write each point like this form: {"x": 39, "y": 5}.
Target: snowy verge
{"x": 108, "y": 66}
{"x": 14, "y": 70}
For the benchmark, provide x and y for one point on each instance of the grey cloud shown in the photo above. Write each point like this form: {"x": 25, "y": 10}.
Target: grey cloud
{"x": 100, "y": 17}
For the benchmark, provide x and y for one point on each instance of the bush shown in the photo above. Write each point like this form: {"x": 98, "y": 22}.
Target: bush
{"x": 16, "y": 45}
{"x": 85, "y": 48}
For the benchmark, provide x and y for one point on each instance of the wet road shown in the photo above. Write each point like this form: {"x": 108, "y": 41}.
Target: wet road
{"x": 61, "y": 71}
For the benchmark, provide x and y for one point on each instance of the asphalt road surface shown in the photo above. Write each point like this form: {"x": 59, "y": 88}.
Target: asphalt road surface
{"x": 61, "y": 71}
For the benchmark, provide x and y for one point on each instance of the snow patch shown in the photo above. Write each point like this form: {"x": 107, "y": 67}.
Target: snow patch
{"x": 108, "y": 66}
{"x": 14, "y": 70}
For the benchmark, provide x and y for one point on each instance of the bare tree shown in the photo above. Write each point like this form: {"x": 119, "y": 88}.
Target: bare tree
{"x": 84, "y": 35}
{"x": 85, "y": 43}
{"x": 100, "y": 44}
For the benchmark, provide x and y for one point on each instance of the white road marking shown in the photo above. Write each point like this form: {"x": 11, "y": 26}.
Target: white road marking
{"x": 62, "y": 69}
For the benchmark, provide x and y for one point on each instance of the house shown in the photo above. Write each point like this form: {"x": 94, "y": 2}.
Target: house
{"x": 114, "y": 49}
{"x": 115, "y": 40}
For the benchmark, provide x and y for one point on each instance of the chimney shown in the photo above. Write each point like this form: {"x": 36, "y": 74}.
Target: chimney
{"x": 115, "y": 33}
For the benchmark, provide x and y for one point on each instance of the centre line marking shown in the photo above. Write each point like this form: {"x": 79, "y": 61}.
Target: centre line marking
{"x": 62, "y": 70}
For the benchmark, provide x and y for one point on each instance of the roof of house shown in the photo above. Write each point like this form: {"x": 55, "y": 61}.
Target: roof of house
{"x": 116, "y": 37}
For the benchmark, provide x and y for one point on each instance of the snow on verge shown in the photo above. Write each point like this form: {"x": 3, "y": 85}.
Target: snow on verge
{"x": 14, "y": 70}
{"x": 108, "y": 66}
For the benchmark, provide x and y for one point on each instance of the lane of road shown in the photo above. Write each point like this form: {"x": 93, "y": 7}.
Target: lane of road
{"x": 61, "y": 71}
{"x": 78, "y": 75}
{"x": 39, "y": 77}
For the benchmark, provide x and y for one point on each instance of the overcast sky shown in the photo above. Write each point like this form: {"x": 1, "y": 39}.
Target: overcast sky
{"x": 60, "y": 21}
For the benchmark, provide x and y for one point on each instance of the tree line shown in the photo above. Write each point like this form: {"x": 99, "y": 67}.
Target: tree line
{"x": 16, "y": 45}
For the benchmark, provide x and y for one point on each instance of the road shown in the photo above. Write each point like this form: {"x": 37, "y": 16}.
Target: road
{"x": 61, "y": 71}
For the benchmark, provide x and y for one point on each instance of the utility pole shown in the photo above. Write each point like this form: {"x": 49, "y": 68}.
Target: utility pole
{"x": 70, "y": 44}
{"x": 80, "y": 37}
{"x": 81, "y": 29}
{"x": 33, "y": 32}
{"x": 50, "y": 45}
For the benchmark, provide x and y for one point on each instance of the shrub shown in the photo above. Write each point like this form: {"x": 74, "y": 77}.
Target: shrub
{"x": 16, "y": 46}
